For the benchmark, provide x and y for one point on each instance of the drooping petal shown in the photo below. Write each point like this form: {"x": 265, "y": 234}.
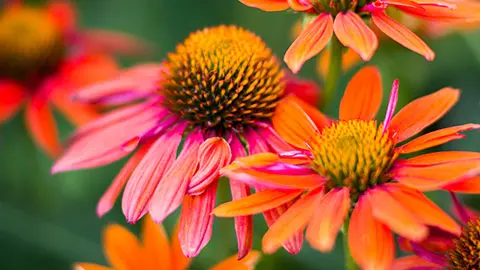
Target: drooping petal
{"x": 370, "y": 242}
{"x": 232, "y": 263}
{"x": 402, "y": 35}
{"x": 294, "y": 125}
{"x": 267, "y": 5}
{"x": 435, "y": 138}
{"x": 329, "y": 216}
{"x": 469, "y": 186}
{"x": 391, "y": 212}
{"x": 195, "y": 229}
{"x": 363, "y": 95}
{"x": 352, "y": 32}
{"x": 147, "y": 175}
{"x": 156, "y": 245}
{"x": 414, "y": 262}
{"x": 311, "y": 41}
{"x": 256, "y": 203}
{"x": 173, "y": 186}
{"x": 422, "y": 112}
{"x": 90, "y": 266}
{"x": 293, "y": 220}
{"x": 213, "y": 155}
{"x": 315, "y": 115}
{"x": 243, "y": 224}
{"x": 12, "y": 96}
{"x": 122, "y": 248}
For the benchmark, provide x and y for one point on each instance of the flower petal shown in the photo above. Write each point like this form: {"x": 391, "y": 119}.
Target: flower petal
{"x": 352, "y": 32}
{"x": 180, "y": 261}
{"x": 122, "y": 249}
{"x": 437, "y": 158}
{"x": 90, "y": 266}
{"x": 435, "y": 138}
{"x": 414, "y": 262}
{"x": 363, "y": 95}
{"x": 12, "y": 96}
{"x": 299, "y": 5}
{"x": 256, "y": 203}
{"x": 267, "y": 5}
{"x": 402, "y": 35}
{"x": 311, "y": 41}
{"x": 232, "y": 263}
{"x": 77, "y": 114}
{"x": 328, "y": 219}
{"x": 243, "y": 224}
{"x": 315, "y": 115}
{"x": 305, "y": 90}
{"x": 392, "y": 104}
{"x": 292, "y": 221}
{"x": 156, "y": 245}
{"x": 195, "y": 229}
{"x": 422, "y": 112}
{"x": 113, "y": 42}
{"x": 294, "y": 125}
{"x": 469, "y": 186}
{"x": 371, "y": 243}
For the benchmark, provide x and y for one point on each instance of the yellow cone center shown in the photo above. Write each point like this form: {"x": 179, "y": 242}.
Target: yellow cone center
{"x": 466, "y": 252}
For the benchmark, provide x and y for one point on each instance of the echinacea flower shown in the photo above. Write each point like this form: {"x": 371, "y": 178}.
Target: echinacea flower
{"x": 124, "y": 251}
{"x": 350, "y": 171}
{"x": 210, "y": 101}
{"x": 43, "y": 57}
{"x": 346, "y": 20}
{"x": 443, "y": 250}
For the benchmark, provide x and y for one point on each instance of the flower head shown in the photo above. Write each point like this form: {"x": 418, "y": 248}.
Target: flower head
{"x": 125, "y": 251}
{"x": 346, "y": 19}
{"x": 38, "y": 66}
{"x": 210, "y": 101}
{"x": 353, "y": 169}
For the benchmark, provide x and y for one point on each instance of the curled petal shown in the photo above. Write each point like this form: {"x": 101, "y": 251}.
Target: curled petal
{"x": 267, "y": 5}
{"x": 311, "y": 41}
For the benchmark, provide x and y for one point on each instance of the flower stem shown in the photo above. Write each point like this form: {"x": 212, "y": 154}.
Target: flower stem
{"x": 349, "y": 261}
{"x": 334, "y": 70}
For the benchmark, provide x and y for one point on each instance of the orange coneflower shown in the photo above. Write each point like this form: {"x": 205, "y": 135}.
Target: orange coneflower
{"x": 351, "y": 169}
{"x": 124, "y": 251}
{"x": 42, "y": 57}
{"x": 443, "y": 250}
{"x": 346, "y": 20}
{"x": 210, "y": 101}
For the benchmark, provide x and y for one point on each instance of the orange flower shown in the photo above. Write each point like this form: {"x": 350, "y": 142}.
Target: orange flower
{"x": 353, "y": 168}
{"x": 346, "y": 20}
{"x": 50, "y": 58}
{"x": 124, "y": 251}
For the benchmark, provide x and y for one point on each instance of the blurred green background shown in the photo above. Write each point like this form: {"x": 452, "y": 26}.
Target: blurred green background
{"x": 49, "y": 222}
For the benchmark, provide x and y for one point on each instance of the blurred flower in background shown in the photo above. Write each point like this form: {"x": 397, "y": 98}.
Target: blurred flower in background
{"x": 348, "y": 172}
{"x": 211, "y": 100}
{"x": 43, "y": 56}
{"x": 125, "y": 251}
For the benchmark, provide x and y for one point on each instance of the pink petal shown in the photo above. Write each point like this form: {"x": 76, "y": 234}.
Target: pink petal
{"x": 392, "y": 103}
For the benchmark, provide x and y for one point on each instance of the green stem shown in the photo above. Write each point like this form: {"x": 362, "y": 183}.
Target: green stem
{"x": 334, "y": 70}
{"x": 349, "y": 261}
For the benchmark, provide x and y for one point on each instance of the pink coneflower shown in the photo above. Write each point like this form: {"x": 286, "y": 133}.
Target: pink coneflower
{"x": 211, "y": 101}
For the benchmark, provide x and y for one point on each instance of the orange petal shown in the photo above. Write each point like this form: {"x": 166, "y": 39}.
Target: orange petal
{"x": 232, "y": 263}
{"x": 402, "y": 35}
{"x": 391, "y": 212}
{"x": 352, "y": 32}
{"x": 310, "y": 42}
{"x": 122, "y": 249}
{"x": 299, "y": 5}
{"x": 422, "y": 112}
{"x": 328, "y": 219}
{"x": 363, "y": 95}
{"x": 315, "y": 115}
{"x": 292, "y": 221}
{"x": 441, "y": 157}
{"x": 370, "y": 242}
{"x": 256, "y": 203}
{"x": 293, "y": 124}
{"x": 180, "y": 261}
{"x": 423, "y": 208}
{"x": 435, "y": 138}
{"x": 253, "y": 160}
{"x": 267, "y": 5}
{"x": 156, "y": 247}
{"x": 42, "y": 126}
{"x": 12, "y": 96}
{"x": 413, "y": 262}
{"x": 470, "y": 185}
{"x": 78, "y": 114}
{"x": 90, "y": 266}
{"x": 63, "y": 13}
{"x": 349, "y": 60}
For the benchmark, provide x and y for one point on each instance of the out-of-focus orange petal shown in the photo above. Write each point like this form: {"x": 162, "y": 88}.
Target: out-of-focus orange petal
{"x": 232, "y": 263}
{"x": 329, "y": 216}
{"x": 413, "y": 262}
{"x": 267, "y": 5}
{"x": 402, "y": 35}
{"x": 294, "y": 125}
{"x": 310, "y": 42}
{"x": 256, "y": 203}
{"x": 391, "y": 212}
{"x": 424, "y": 209}
{"x": 435, "y": 138}
{"x": 315, "y": 115}
{"x": 87, "y": 69}
{"x": 41, "y": 124}
{"x": 349, "y": 60}
{"x": 179, "y": 260}
{"x": 63, "y": 13}
{"x": 90, "y": 266}
{"x": 363, "y": 95}
{"x": 352, "y": 32}
{"x": 422, "y": 112}
{"x": 12, "y": 96}
{"x": 306, "y": 90}
{"x": 122, "y": 249}
{"x": 156, "y": 245}
{"x": 292, "y": 221}
{"x": 441, "y": 157}
{"x": 470, "y": 185}
{"x": 371, "y": 243}
{"x": 78, "y": 114}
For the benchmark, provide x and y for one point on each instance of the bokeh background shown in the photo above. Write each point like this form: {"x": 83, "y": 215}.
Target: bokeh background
{"x": 49, "y": 222}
